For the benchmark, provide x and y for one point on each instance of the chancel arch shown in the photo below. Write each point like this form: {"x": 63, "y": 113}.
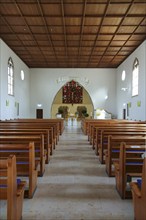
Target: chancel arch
{"x": 71, "y": 97}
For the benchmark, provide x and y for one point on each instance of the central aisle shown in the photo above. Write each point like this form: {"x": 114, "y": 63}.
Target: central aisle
{"x": 75, "y": 185}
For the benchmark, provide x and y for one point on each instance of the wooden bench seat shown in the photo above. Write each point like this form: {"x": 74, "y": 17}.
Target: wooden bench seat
{"x": 128, "y": 167}
{"x": 102, "y": 146}
{"x": 40, "y": 154}
{"x": 25, "y": 161}
{"x": 112, "y": 153}
{"x": 139, "y": 195}
{"x": 59, "y": 121}
{"x": 31, "y": 125}
{"x": 10, "y": 190}
{"x": 46, "y": 132}
{"x": 119, "y": 126}
{"x": 110, "y": 122}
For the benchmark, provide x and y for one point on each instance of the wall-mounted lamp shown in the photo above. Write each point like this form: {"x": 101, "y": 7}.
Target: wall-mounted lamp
{"x": 106, "y": 97}
{"x": 39, "y": 105}
{"x": 124, "y": 89}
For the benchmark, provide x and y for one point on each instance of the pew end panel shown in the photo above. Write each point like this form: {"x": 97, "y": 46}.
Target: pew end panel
{"x": 139, "y": 195}
{"x": 10, "y": 189}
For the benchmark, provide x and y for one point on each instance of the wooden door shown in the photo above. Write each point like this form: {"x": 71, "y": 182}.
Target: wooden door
{"x": 39, "y": 113}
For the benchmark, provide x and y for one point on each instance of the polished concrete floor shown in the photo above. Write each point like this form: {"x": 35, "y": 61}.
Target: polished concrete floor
{"x": 75, "y": 185}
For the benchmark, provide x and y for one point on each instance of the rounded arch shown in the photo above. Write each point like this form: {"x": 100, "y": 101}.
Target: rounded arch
{"x": 72, "y": 107}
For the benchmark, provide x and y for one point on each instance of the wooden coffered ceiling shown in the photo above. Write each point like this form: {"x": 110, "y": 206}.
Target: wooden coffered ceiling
{"x": 73, "y": 33}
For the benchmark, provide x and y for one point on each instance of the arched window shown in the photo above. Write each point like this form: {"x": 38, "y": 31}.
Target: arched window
{"x": 135, "y": 75}
{"x": 10, "y": 77}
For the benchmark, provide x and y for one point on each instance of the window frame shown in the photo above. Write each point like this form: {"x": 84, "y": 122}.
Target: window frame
{"x": 10, "y": 77}
{"x": 135, "y": 78}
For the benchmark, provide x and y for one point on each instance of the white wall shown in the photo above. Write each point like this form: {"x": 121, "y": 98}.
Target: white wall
{"x": 44, "y": 86}
{"x": 135, "y": 112}
{"x": 0, "y": 79}
{"x": 21, "y": 88}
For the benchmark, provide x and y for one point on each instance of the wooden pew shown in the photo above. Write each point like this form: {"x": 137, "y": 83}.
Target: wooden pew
{"x": 139, "y": 195}
{"x": 112, "y": 153}
{"x": 48, "y": 135}
{"x": 40, "y": 155}
{"x": 102, "y": 146}
{"x": 59, "y": 121}
{"x": 9, "y": 189}
{"x": 55, "y": 123}
{"x": 32, "y": 124}
{"x": 128, "y": 166}
{"x": 25, "y": 161}
{"x": 108, "y": 122}
{"x": 26, "y": 132}
{"x": 122, "y": 126}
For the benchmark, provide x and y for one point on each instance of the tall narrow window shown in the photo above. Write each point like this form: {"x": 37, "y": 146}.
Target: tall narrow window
{"x": 10, "y": 77}
{"x": 135, "y": 75}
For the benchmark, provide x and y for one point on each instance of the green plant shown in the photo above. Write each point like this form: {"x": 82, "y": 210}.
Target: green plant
{"x": 60, "y": 111}
{"x": 86, "y": 114}
{"x": 84, "y": 111}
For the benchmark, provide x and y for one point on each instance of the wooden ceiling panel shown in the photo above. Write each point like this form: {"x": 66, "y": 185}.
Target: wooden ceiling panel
{"x": 29, "y": 43}
{"x": 56, "y": 30}
{"x": 92, "y": 21}
{"x": 108, "y": 29}
{"x": 98, "y": 53}
{"x": 88, "y": 43}
{"x": 73, "y": 33}
{"x": 94, "y": 9}
{"x": 117, "y": 9}
{"x": 90, "y": 29}
{"x": 137, "y": 37}
{"x": 138, "y": 9}
{"x": 73, "y": 21}
{"x": 4, "y": 29}
{"x": 73, "y": 30}
{"x": 117, "y": 43}
{"x": 34, "y": 21}
{"x": 30, "y": 9}
{"x": 73, "y": 9}
{"x": 74, "y": 43}
{"x": 59, "y": 43}
{"x": 43, "y": 43}
{"x": 26, "y": 37}
{"x": 112, "y": 21}
{"x": 15, "y": 20}
{"x": 56, "y": 37}
{"x": 20, "y": 29}
{"x": 130, "y": 21}
{"x": 132, "y": 43}
{"x": 112, "y": 49}
{"x": 89, "y": 37}
{"x": 105, "y": 37}
{"x": 38, "y": 29}
{"x": 140, "y": 30}
{"x": 127, "y": 29}
{"x": 123, "y": 53}
{"x": 54, "y": 21}
{"x": 9, "y": 9}
{"x": 9, "y": 37}
{"x": 102, "y": 43}
{"x": 51, "y": 9}
{"x": 73, "y": 37}
{"x": 121, "y": 37}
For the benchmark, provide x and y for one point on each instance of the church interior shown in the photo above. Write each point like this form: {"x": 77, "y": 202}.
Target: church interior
{"x": 73, "y": 110}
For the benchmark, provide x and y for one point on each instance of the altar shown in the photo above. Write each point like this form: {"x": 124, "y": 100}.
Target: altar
{"x": 71, "y": 118}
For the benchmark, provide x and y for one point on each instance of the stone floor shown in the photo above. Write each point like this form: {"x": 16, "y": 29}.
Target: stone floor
{"x": 75, "y": 185}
